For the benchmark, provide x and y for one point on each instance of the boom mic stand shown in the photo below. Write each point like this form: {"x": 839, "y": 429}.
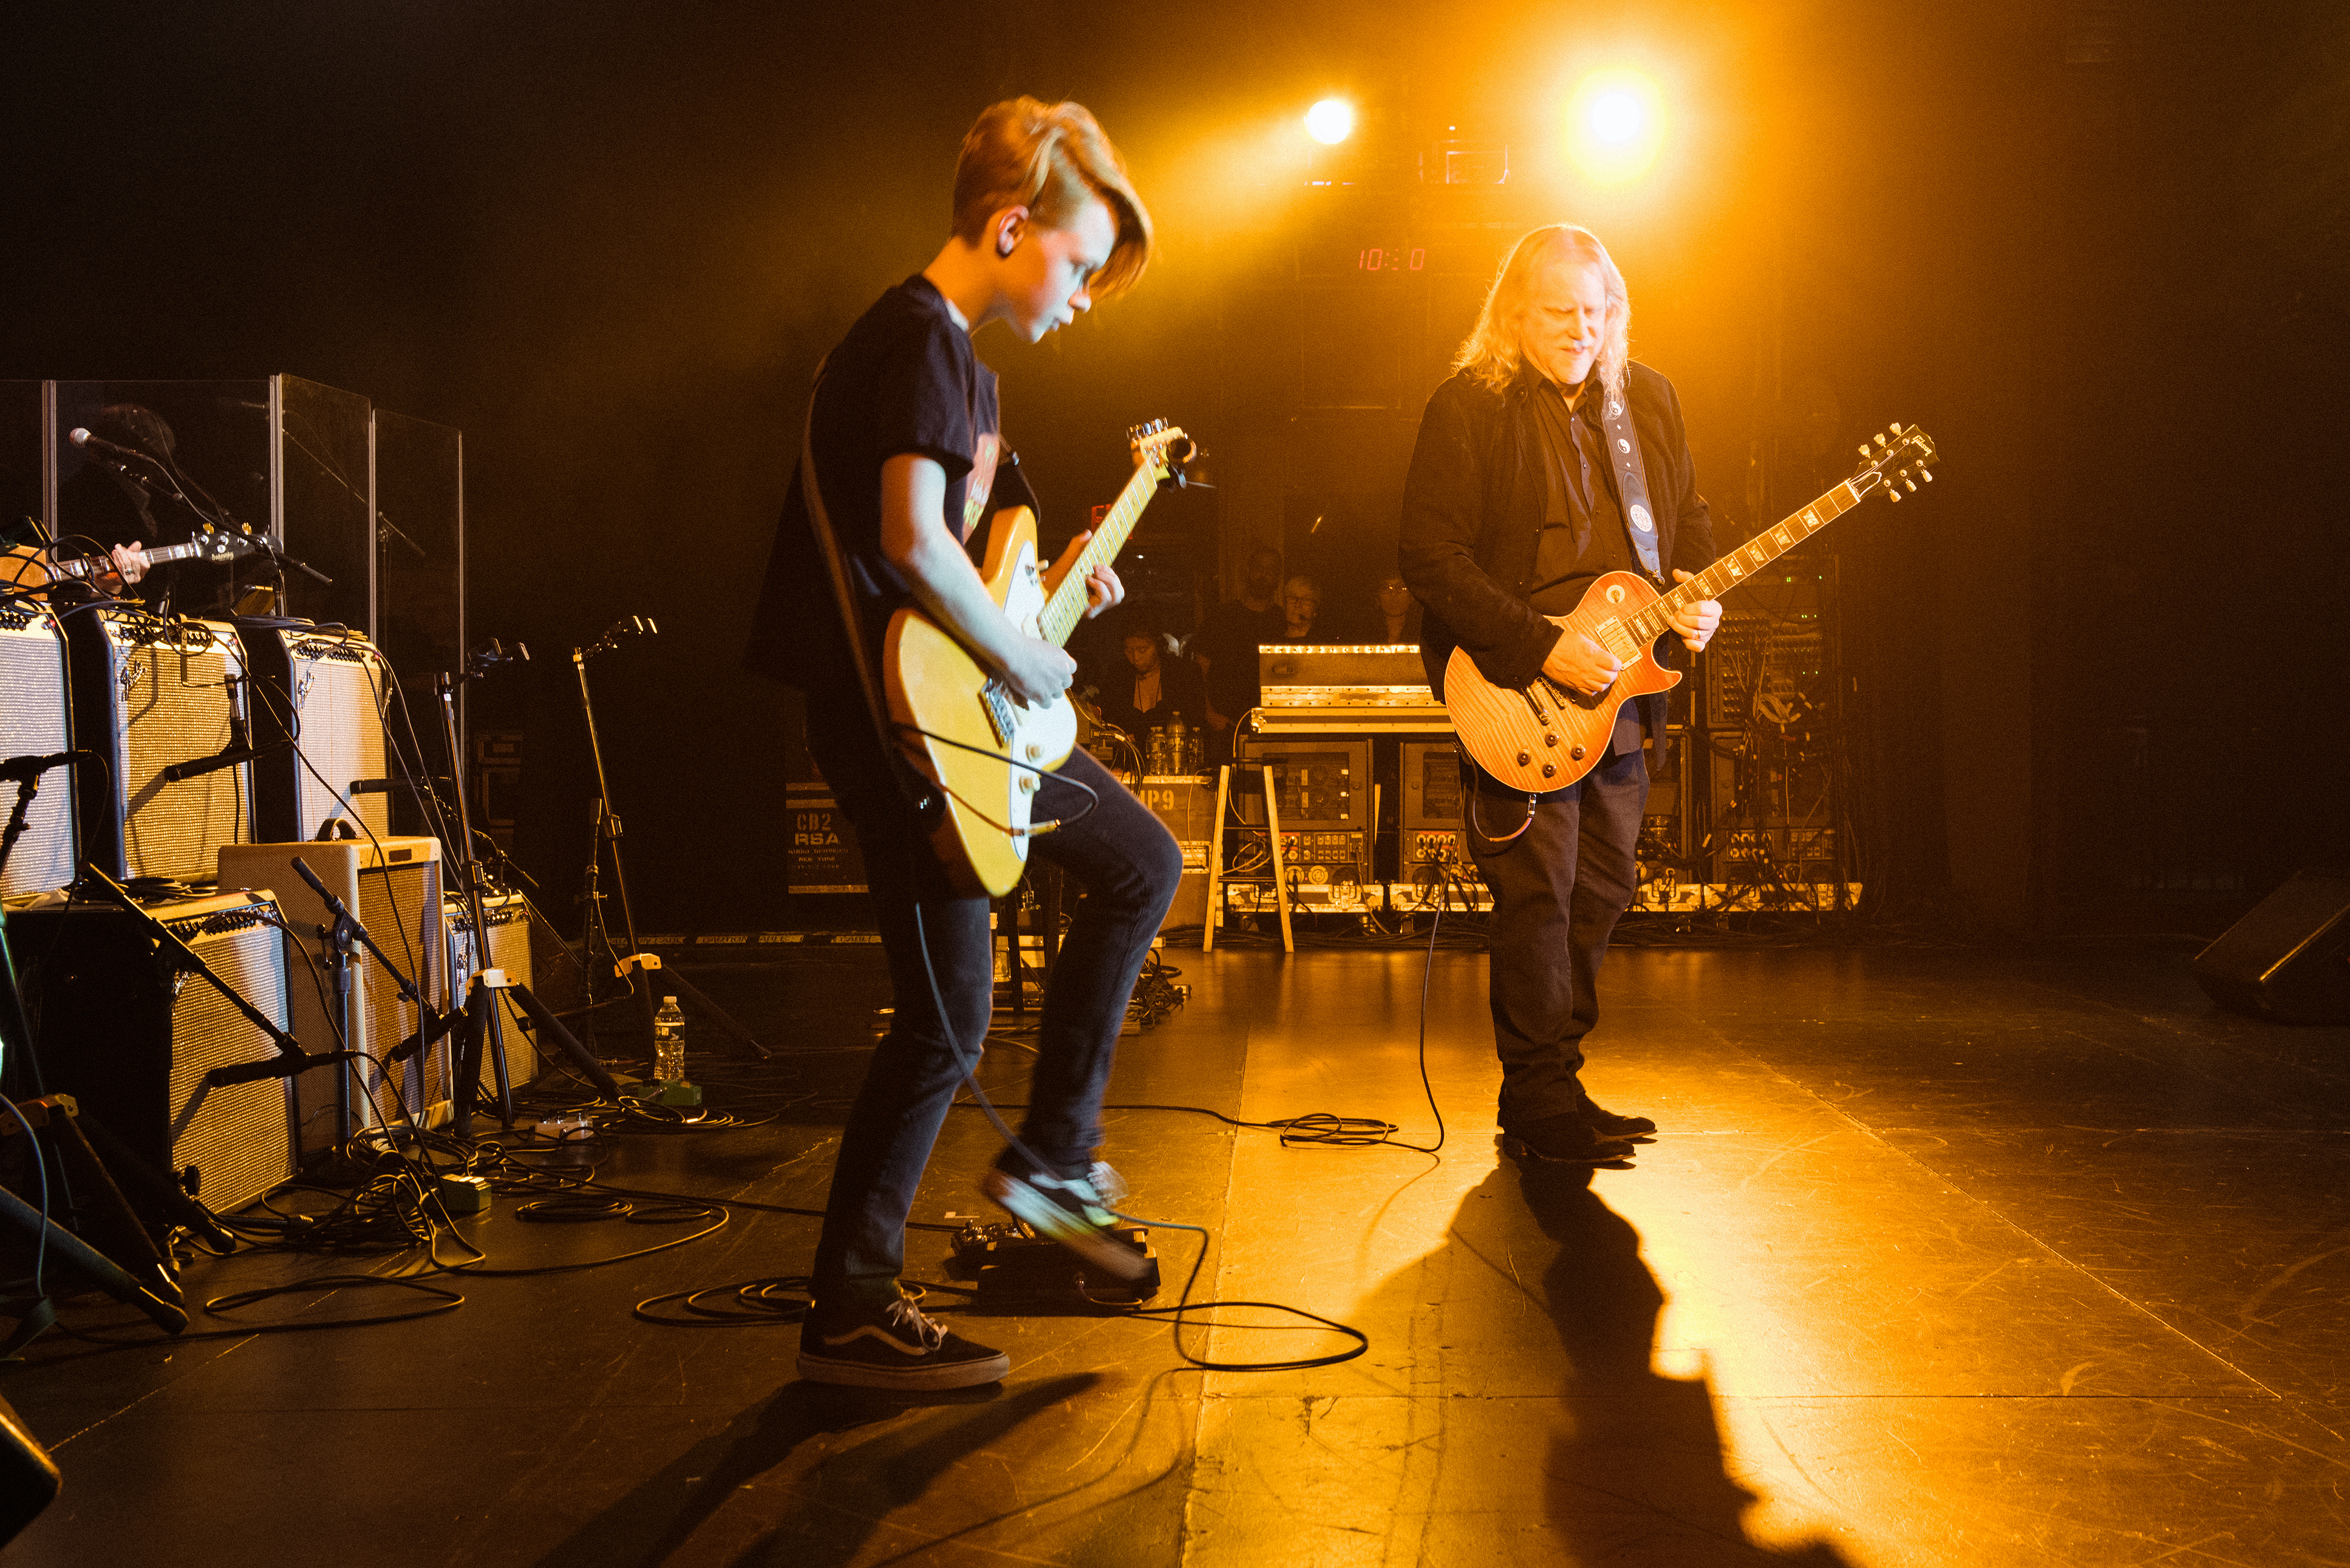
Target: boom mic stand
{"x": 636, "y": 964}
{"x": 471, "y": 875}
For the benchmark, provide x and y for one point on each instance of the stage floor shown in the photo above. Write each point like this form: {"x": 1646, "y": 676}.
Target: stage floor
{"x": 1942, "y": 1256}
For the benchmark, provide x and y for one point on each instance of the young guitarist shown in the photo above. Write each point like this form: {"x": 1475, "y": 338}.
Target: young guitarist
{"x": 904, "y": 445}
{"x": 1515, "y": 502}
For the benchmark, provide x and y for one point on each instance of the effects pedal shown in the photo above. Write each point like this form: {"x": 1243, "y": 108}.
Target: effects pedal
{"x": 1016, "y": 1269}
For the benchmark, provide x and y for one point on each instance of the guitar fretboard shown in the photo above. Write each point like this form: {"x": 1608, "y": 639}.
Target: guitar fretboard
{"x": 83, "y": 565}
{"x": 1656, "y": 619}
{"x": 1066, "y": 609}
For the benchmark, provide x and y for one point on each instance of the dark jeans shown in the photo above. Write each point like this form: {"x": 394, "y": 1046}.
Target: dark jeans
{"x": 1558, "y": 890}
{"x": 1129, "y": 866}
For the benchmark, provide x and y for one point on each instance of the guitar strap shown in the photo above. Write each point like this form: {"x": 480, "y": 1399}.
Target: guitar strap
{"x": 920, "y": 792}
{"x": 1624, "y": 450}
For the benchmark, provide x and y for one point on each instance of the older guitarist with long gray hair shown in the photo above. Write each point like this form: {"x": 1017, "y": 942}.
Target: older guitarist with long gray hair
{"x": 1547, "y": 460}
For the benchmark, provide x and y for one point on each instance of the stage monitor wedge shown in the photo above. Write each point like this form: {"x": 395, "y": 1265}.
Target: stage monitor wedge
{"x": 2288, "y": 959}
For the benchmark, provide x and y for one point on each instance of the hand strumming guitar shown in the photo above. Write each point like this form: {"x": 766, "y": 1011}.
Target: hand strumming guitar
{"x": 1579, "y": 664}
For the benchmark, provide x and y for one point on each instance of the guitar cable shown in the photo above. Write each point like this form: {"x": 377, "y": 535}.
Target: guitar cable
{"x": 1093, "y": 796}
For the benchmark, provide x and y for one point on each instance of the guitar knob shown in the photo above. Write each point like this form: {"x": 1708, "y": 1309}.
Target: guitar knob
{"x": 1576, "y": 753}
{"x": 1523, "y": 758}
{"x": 1550, "y": 739}
{"x": 1027, "y": 784}
{"x": 1548, "y": 770}
{"x": 1035, "y": 751}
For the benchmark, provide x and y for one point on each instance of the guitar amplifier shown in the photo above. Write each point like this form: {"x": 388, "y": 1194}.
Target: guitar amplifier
{"x": 324, "y": 691}
{"x": 507, "y": 916}
{"x": 34, "y": 723}
{"x": 147, "y": 694}
{"x": 1432, "y": 823}
{"x": 1188, "y": 807}
{"x": 131, "y": 1039}
{"x": 393, "y": 886}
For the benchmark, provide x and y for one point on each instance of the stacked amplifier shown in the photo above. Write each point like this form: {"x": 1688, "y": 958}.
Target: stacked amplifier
{"x": 506, "y": 918}
{"x": 216, "y": 754}
{"x": 33, "y": 723}
{"x": 132, "y": 1038}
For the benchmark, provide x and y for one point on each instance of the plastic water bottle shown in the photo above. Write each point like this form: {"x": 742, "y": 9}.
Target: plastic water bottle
{"x": 669, "y": 1042}
{"x": 1178, "y": 748}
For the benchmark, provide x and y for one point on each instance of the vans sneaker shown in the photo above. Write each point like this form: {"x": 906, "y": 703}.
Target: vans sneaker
{"x": 1072, "y": 1213}
{"x": 895, "y": 1346}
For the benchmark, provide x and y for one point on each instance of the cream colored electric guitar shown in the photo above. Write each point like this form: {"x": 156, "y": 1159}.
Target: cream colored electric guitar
{"x": 985, "y": 749}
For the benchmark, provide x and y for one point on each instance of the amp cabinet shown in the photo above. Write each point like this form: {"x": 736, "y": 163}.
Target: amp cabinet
{"x": 131, "y": 1038}
{"x": 149, "y": 694}
{"x": 507, "y": 916}
{"x": 393, "y": 886}
{"x": 323, "y": 690}
{"x": 34, "y": 723}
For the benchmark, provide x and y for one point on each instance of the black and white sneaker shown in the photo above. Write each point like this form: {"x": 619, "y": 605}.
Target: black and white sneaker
{"x": 895, "y": 1346}
{"x": 1074, "y": 1213}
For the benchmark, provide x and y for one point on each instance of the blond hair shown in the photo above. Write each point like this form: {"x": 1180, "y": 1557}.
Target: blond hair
{"x": 1051, "y": 159}
{"x": 1494, "y": 351}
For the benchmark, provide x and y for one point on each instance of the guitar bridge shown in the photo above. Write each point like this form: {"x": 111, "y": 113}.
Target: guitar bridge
{"x": 998, "y": 703}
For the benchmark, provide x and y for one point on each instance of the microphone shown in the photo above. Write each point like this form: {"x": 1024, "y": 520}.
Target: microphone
{"x": 86, "y": 442}
{"x": 325, "y": 894}
{"x": 276, "y": 1068}
{"x": 19, "y": 769}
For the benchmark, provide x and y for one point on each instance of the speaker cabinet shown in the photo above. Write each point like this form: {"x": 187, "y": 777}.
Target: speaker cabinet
{"x": 1188, "y": 806}
{"x": 393, "y": 886}
{"x": 2290, "y": 959}
{"x": 149, "y": 693}
{"x": 131, "y": 1039}
{"x": 33, "y": 723}
{"x": 324, "y": 691}
{"x": 507, "y": 916}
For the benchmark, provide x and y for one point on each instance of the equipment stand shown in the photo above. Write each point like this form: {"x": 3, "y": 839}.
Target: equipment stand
{"x": 470, "y": 874}
{"x": 635, "y": 966}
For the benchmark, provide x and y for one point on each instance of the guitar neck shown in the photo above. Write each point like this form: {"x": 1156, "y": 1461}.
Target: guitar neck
{"x": 1066, "y": 610}
{"x": 86, "y": 566}
{"x": 1734, "y": 568}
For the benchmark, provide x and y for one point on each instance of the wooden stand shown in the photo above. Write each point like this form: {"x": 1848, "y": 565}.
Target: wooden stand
{"x": 1217, "y": 879}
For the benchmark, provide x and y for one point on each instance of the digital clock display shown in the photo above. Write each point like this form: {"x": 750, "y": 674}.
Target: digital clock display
{"x": 1375, "y": 259}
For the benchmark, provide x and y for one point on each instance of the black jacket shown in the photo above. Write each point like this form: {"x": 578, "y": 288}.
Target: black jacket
{"x": 1472, "y": 511}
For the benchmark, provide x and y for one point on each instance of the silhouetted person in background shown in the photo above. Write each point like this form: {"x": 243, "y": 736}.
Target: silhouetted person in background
{"x": 1225, "y": 647}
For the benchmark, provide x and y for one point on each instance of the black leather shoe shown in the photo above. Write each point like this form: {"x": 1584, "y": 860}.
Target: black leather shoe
{"x": 1564, "y": 1138}
{"x": 1607, "y": 1124}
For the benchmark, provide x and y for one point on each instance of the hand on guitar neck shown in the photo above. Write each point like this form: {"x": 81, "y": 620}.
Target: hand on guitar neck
{"x": 1579, "y": 664}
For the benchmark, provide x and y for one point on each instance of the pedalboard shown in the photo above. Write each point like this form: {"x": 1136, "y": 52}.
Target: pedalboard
{"x": 1014, "y": 1269}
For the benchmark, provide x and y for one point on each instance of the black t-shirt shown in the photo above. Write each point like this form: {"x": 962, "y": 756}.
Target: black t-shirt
{"x": 903, "y": 381}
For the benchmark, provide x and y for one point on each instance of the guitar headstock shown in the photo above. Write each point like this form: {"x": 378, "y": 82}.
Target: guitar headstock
{"x": 1164, "y": 449}
{"x": 220, "y": 544}
{"x": 1901, "y": 460}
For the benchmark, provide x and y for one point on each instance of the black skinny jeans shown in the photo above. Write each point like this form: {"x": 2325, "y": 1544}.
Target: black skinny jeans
{"x": 1129, "y": 866}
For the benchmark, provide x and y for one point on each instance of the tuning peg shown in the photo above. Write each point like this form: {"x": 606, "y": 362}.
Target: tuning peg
{"x": 1927, "y": 474}
{"x": 1880, "y": 438}
{"x": 1894, "y": 427}
{"x": 1912, "y": 484}
{"x": 1865, "y": 451}
{"x": 1891, "y": 493}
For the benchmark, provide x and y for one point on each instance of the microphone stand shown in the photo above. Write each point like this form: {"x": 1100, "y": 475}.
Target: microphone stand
{"x": 636, "y": 965}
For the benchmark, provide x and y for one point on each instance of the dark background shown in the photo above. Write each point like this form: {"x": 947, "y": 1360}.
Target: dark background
{"x": 2100, "y": 252}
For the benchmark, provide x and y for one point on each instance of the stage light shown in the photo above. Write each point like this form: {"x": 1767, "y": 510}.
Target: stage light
{"x": 1331, "y": 122}
{"x": 1616, "y": 125}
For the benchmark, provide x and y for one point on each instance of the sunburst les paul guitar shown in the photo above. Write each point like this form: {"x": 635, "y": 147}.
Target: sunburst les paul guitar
{"x": 1544, "y": 736}
{"x": 960, "y": 724}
